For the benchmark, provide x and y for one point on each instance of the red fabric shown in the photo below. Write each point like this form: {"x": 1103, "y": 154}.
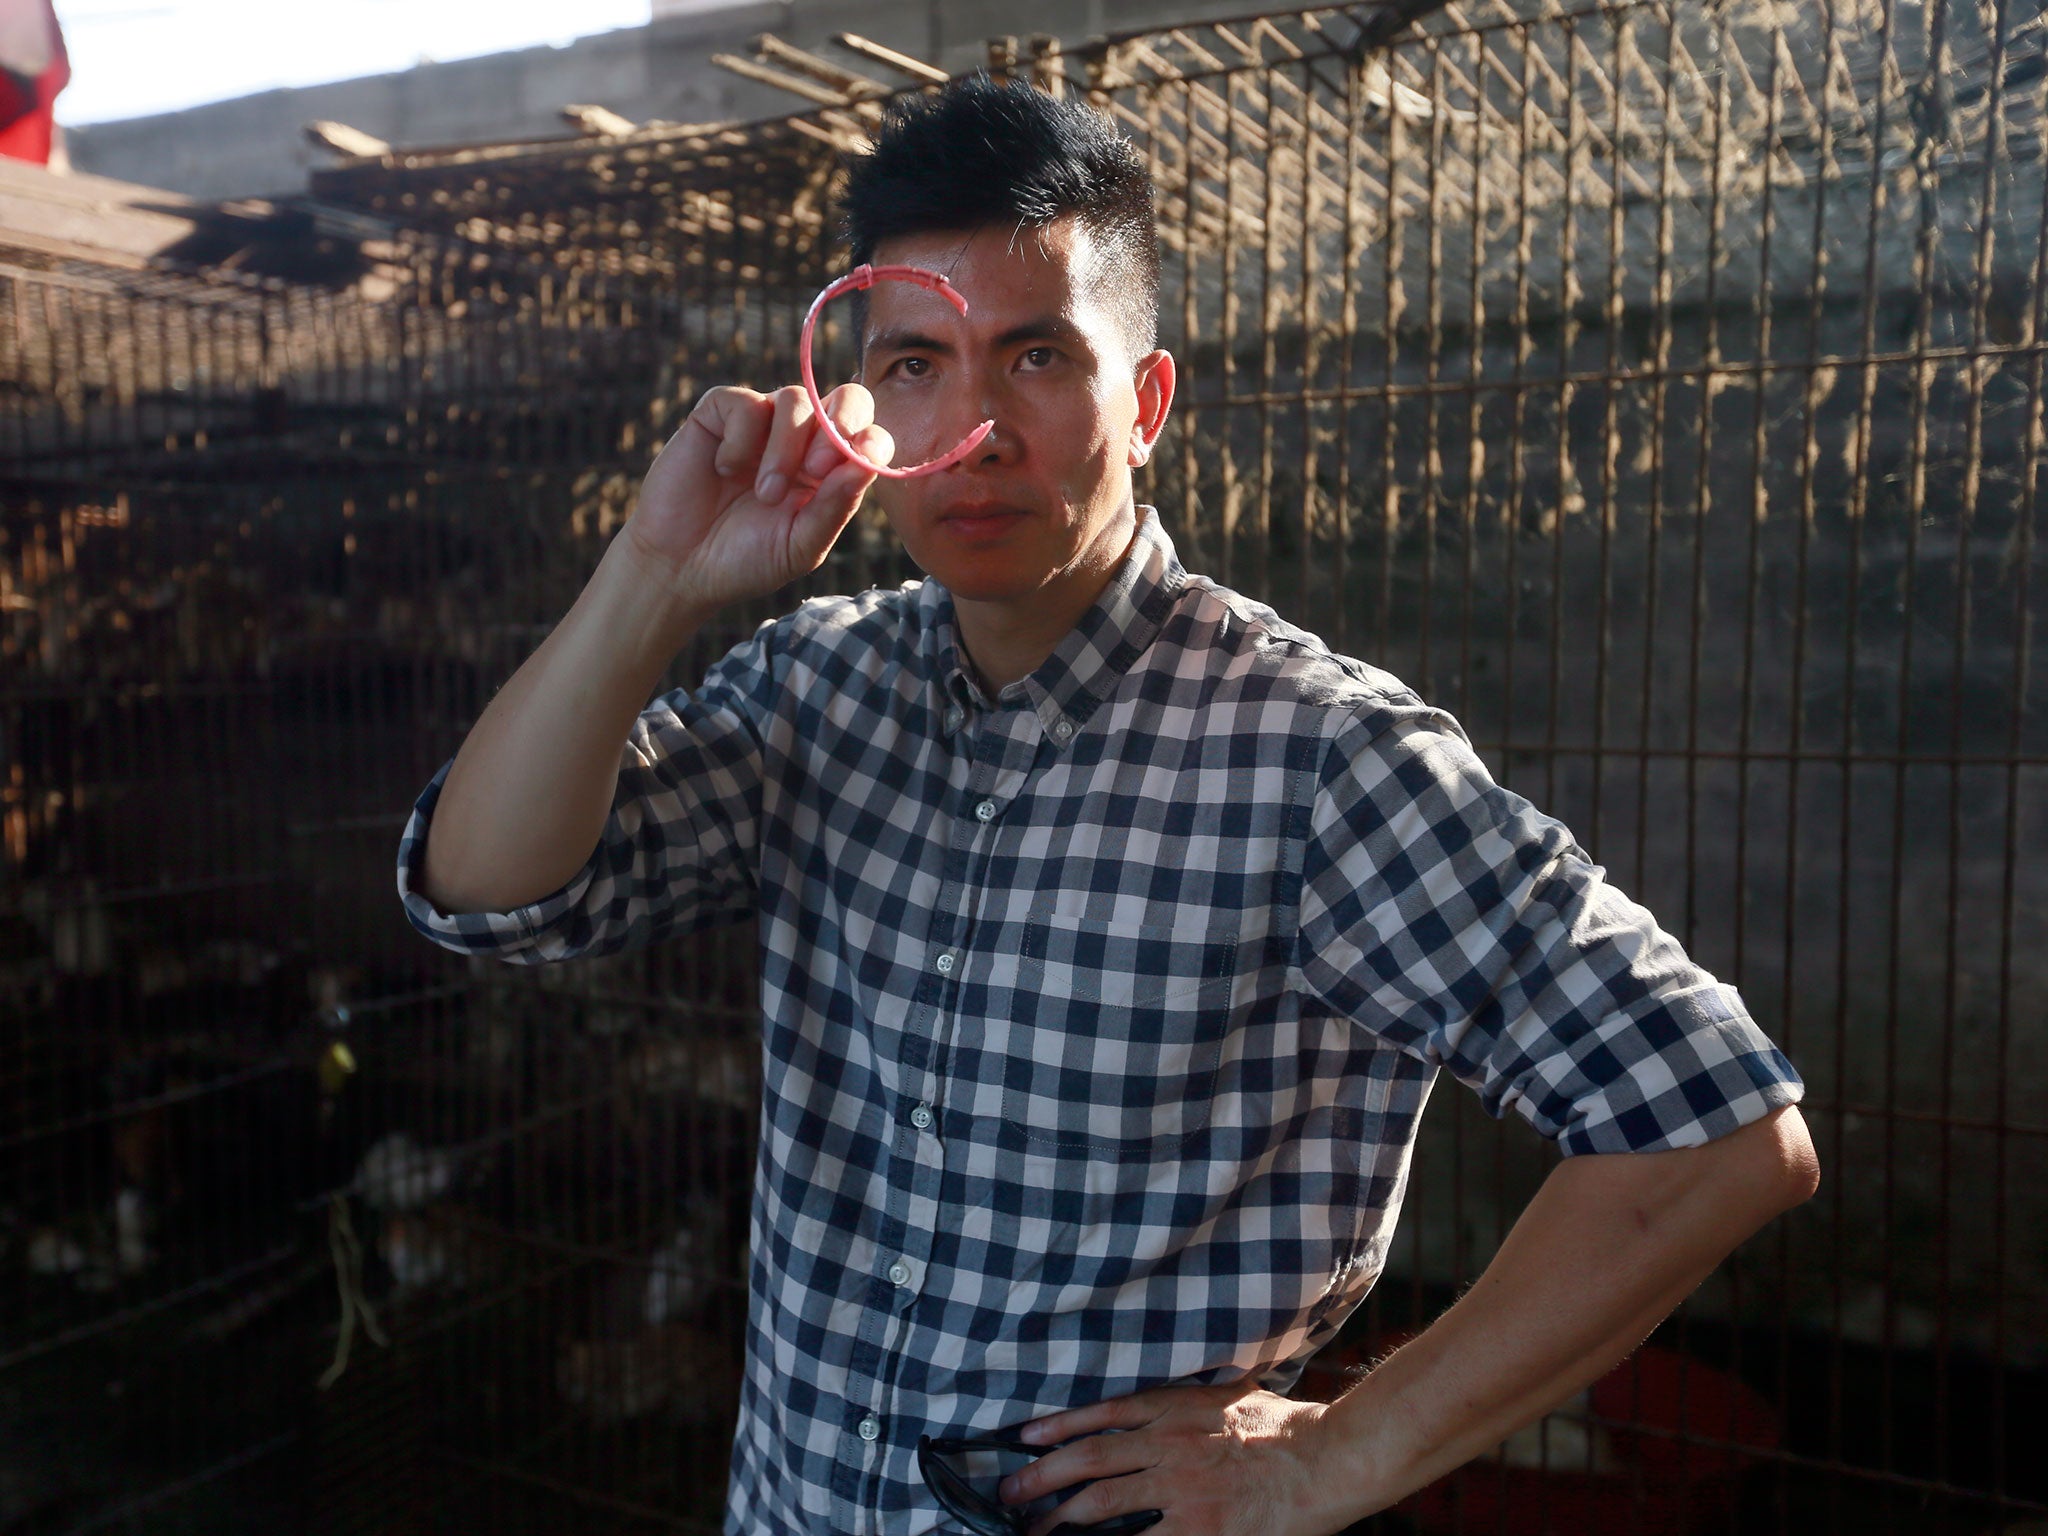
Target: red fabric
{"x": 33, "y": 69}
{"x": 1683, "y": 1435}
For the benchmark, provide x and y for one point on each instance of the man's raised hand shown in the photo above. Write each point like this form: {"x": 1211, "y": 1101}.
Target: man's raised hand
{"x": 750, "y": 494}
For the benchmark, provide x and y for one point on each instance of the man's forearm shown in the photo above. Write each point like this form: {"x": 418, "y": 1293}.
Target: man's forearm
{"x": 1607, "y": 1248}
{"x": 527, "y": 797}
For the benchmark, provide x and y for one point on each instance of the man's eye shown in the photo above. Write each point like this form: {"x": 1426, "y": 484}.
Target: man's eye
{"x": 1039, "y": 357}
{"x": 913, "y": 367}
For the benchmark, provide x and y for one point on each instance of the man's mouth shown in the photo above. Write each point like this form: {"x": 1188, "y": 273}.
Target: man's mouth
{"x": 980, "y": 517}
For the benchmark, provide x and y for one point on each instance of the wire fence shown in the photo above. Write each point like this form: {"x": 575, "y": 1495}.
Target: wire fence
{"x": 1657, "y": 387}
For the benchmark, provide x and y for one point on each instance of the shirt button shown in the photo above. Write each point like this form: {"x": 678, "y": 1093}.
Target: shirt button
{"x": 1063, "y": 731}
{"x": 921, "y": 1117}
{"x": 870, "y": 1428}
{"x": 945, "y": 963}
{"x": 954, "y": 717}
{"x": 986, "y": 811}
{"x": 899, "y": 1273}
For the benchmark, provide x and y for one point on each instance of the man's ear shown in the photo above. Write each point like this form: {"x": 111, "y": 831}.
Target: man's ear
{"x": 1154, "y": 380}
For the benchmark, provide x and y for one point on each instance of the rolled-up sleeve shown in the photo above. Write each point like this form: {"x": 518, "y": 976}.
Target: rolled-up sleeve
{"x": 1460, "y": 924}
{"x": 679, "y": 849}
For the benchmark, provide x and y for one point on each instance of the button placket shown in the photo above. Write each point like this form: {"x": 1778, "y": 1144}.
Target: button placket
{"x": 987, "y": 774}
{"x": 917, "y": 1156}
{"x": 913, "y": 1262}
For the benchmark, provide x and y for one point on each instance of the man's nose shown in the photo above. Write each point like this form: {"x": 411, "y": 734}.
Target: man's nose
{"x": 991, "y": 400}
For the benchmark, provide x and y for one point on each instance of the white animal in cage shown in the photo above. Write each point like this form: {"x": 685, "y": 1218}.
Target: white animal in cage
{"x": 683, "y": 1273}
{"x": 98, "y": 1250}
{"x": 398, "y": 1174}
{"x": 708, "y": 1067}
{"x": 444, "y": 1248}
{"x": 1566, "y": 1439}
{"x": 50, "y": 1252}
{"x": 691, "y": 1372}
{"x": 133, "y": 1221}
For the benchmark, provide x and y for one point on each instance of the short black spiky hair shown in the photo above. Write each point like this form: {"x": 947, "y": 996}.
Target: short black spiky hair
{"x": 978, "y": 153}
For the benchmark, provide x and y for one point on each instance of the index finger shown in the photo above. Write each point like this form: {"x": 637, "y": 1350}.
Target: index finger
{"x": 1132, "y": 1412}
{"x": 1088, "y": 1459}
{"x": 852, "y": 410}
{"x": 852, "y": 407}
{"x": 787, "y": 446}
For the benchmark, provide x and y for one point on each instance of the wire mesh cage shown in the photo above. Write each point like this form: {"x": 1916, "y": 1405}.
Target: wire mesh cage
{"x": 1657, "y": 387}
{"x": 237, "y": 1090}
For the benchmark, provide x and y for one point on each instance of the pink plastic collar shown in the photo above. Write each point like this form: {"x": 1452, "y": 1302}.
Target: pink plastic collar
{"x": 867, "y": 275}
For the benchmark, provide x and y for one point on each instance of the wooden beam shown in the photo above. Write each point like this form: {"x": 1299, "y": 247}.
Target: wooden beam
{"x": 344, "y": 140}
{"x": 89, "y": 218}
{"x": 771, "y": 49}
{"x": 1047, "y": 72}
{"x": 889, "y": 58}
{"x": 598, "y": 120}
{"x": 796, "y": 85}
{"x": 844, "y": 143}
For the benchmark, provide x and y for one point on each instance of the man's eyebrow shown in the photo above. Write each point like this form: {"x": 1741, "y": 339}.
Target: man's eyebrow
{"x": 1038, "y": 328}
{"x": 1044, "y": 328}
{"x": 898, "y": 339}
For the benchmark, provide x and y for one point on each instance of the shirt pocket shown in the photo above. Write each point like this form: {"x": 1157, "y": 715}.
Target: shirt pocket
{"x": 1118, "y": 1030}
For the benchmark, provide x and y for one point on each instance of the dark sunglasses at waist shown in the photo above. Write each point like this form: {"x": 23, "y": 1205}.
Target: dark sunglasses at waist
{"x": 983, "y": 1513}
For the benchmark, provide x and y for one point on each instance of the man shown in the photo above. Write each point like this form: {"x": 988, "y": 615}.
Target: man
{"x": 1112, "y": 930}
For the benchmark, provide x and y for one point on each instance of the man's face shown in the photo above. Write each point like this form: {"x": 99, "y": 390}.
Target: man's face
{"x": 1044, "y": 502}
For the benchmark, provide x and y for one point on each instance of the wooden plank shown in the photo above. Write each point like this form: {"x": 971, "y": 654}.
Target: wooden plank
{"x": 851, "y": 84}
{"x": 90, "y": 216}
{"x": 796, "y": 85}
{"x": 902, "y": 63}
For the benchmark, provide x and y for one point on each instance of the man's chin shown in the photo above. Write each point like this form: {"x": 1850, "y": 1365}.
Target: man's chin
{"x": 972, "y": 586}
{"x": 984, "y": 576}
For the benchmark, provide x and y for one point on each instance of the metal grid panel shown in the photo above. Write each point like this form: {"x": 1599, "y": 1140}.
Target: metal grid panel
{"x": 1660, "y": 389}
{"x": 259, "y": 575}
{"x": 1657, "y": 387}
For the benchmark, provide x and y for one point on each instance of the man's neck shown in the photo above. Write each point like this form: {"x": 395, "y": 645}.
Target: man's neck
{"x": 1008, "y": 640}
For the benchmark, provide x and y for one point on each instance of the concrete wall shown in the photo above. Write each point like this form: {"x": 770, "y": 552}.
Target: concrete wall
{"x": 254, "y": 146}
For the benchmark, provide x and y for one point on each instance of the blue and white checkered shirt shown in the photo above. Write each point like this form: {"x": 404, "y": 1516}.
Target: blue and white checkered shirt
{"x": 1097, "y": 1017}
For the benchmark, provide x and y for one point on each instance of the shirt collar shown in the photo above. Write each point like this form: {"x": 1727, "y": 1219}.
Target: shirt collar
{"x": 1086, "y": 666}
